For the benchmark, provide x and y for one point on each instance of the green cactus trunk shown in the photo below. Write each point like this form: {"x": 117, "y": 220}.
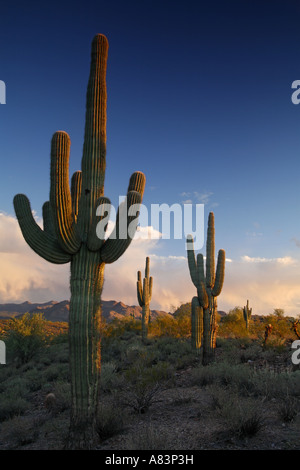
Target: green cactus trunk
{"x": 71, "y": 234}
{"x": 196, "y": 326}
{"x": 209, "y": 334}
{"x": 87, "y": 276}
{"x": 247, "y": 314}
{"x": 145, "y": 320}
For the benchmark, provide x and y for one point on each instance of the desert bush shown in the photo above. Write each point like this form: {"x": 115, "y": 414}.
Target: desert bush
{"x": 110, "y": 421}
{"x": 288, "y": 408}
{"x": 58, "y": 352}
{"x": 124, "y": 328}
{"x": 242, "y": 417}
{"x": 233, "y": 324}
{"x": 59, "y": 399}
{"x": 149, "y": 438}
{"x": 270, "y": 385}
{"x": 20, "y": 431}
{"x": 17, "y": 386}
{"x": 143, "y": 385}
{"x": 202, "y": 376}
{"x": 223, "y": 373}
{"x": 12, "y": 406}
{"x": 110, "y": 380}
{"x": 26, "y": 336}
{"x": 56, "y": 372}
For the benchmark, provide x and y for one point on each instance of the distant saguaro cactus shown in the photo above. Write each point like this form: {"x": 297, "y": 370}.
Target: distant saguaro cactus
{"x": 268, "y": 331}
{"x": 144, "y": 294}
{"x": 209, "y": 286}
{"x": 70, "y": 234}
{"x": 247, "y": 314}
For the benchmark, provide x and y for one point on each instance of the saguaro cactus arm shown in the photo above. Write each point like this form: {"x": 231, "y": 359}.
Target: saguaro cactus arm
{"x": 60, "y": 195}
{"x": 76, "y": 183}
{"x": 120, "y": 239}
{"x": 140, "y": 289}
{"x": 43, "y": 243}
{"x": 220, "y": 274}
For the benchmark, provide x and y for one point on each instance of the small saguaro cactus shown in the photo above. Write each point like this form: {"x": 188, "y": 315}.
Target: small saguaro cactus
{"x": 209, "y": 286}
{"x": 247, "y": 314}
{"x": 71, "y": 219}
{"x": 144, "y": 294}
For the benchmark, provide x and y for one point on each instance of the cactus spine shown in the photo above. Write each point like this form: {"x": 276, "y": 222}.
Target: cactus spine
{"x": 247, "y": 314}
{"x": 209, "y": 286}
{"x": 144, "y": 294}
{"x": 69, "y": 235}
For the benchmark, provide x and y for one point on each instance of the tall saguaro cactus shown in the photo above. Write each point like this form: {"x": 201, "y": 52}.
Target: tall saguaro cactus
{"x": 247, "y": 314}
{"x": 144, "y": 294}
{"x": 71, "y": 219}
{"x": 209, "y": 285}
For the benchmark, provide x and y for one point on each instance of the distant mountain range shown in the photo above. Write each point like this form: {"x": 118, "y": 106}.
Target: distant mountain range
{"x": 59, "y": 311}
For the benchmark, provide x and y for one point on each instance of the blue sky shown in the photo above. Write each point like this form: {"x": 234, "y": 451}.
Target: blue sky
{"x": 199, "y": 99}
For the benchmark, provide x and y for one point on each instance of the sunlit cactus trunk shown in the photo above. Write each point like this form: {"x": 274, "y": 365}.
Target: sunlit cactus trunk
{"x": 70, "y": 234}
{"x": 144, "y": 295}
{"x": 196, "y": 326}
{"x": 209, "y": 286}
{"x": 247, "y": 314}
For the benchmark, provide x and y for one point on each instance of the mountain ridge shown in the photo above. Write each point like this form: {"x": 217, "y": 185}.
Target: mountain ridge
{"x": 59, "y": 311}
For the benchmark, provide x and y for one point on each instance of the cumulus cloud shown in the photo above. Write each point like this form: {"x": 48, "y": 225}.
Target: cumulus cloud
{"x": 285, "y": 260}
{"x": 24, "y": 275}
{"x": 268, "y": 283}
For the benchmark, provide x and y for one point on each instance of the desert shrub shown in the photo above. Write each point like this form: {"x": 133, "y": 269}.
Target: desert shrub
{"x": 288, "y": 408}
{"x": 124, "y": 328}
{"x": 149, "y": 438}
{"x": 26, "y": 336}
{"x": 56, "y": 372}
{"x": 252, "y": 352}
{"x": 268, "y": 384}
{"x": 110, "y": 421}
{"x": 17, "y": 386}
{"x": 202, "y": 376}
{"x": 164, "y": 326}
{"x": 172, "y": 350}
{"x": 233, "y": 324}
{"x": 143, "y": 385}
{"x": 12, "y": 406}
{"x": 223, "y": 373}
{"x": 59, "y": 399}
{"x": 109, "y": 379}
{"x": 20, "y": 430}
{"x": 34, "y": 379}
{"x": 58, "y": 352}
{"x": 242, "y": 417}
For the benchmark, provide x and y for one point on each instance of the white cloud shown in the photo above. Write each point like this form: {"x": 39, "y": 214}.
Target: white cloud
{"x": 268, "y": 283}
{"x": 287, "y": 260}
{"x": 24, "y": 275}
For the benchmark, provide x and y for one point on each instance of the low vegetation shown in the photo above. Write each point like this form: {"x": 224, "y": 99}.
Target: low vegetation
{"x": 156, "y": 394}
